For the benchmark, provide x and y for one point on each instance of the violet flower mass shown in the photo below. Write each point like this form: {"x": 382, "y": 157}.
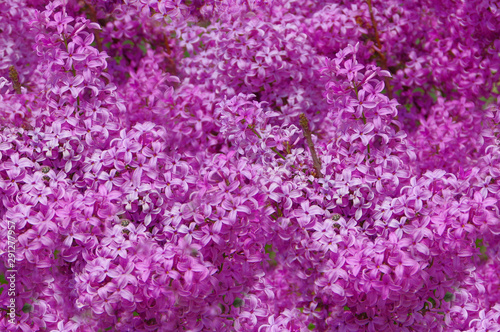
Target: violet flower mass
{"x": 249, "y": 165}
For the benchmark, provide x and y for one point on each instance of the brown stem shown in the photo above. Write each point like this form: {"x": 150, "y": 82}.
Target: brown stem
{"x": 383, "y": 58}
{"x": 14, "y": 77}
{"x": 93, "y": 17}
{"x": 307, "y": 134}
{"x": 171, "y": 63}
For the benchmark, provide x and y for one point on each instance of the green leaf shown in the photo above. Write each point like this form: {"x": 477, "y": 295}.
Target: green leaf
{"x": 56, "y": 252}
{"x": 311, "y": 326}
{"x": 268, "y": 249}
{"x": 433, "y": 96}
{"x": 3, "y": 281}
{"x": 27, "y": 308}
{"x": 135, "y": 314}
{"x": 482, "y": 249}
{"x": 432, "y": 301}
{"x": 448, "y": 297}
{"x": 128, "y": 42}
{"x": 143, "y": 48}
{"x": 237, "y": 302}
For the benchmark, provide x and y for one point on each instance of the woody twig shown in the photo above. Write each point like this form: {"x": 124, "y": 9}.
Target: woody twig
{"x": 307, "y": 134}
{"x": 14, "y": 77}
{"x": 383, "y": 58}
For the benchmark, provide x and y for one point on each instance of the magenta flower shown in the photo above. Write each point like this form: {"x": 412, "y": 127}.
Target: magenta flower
{"x": 385, "y": 286}
{"x": 274, "y": 325}
{"x": 73, "y": 84}
{"x": 305, "y": 214}
{"x": 106, "y": 301}
{"x": 208, "y": 234}
{"x": 401, "y": 260}
{"x": 190, "y": 266}
{"x": 60, "y": 22}
{"x": 100, "y": 268}
{"x": 71, "y": 55}
{"x": 363, "y": 102}
{"x": 154, "y": 176}
{"x": 17, "y": 164}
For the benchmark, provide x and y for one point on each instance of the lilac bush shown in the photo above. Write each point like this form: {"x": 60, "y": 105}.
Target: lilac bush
{"x": 283, "y": 165}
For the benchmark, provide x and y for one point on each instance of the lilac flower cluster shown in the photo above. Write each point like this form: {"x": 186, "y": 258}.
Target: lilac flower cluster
{"x": 282, "y": 165}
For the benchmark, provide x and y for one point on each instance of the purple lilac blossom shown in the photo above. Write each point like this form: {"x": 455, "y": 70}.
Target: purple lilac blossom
{"x": 154, "y": 164}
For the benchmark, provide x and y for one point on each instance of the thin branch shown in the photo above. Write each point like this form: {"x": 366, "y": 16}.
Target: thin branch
{"x": 383, "y": 58}
{"x": 307, "y": 134}
{"x": 93, "y": 17}
{"x": 14, "y": 77}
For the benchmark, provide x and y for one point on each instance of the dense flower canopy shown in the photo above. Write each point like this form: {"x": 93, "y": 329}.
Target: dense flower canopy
{"x": 250, "y": 165}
